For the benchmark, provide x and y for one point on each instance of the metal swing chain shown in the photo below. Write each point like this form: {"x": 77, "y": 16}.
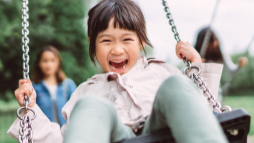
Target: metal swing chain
{"x": 208, "y": 33}
{"x": 26, "y": 130}
{"x": 195, "y": 77}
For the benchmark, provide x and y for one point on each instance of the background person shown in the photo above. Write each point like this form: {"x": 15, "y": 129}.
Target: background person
{"x": 52, "y": 87}
{"x": 214, "y": 54}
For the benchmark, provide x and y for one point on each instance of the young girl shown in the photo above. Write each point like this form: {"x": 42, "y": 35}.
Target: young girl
{"x": 52, "y": 87}
{"x": 133, "y": 92}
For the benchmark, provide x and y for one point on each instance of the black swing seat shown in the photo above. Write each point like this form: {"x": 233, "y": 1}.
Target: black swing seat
{"x": 236, "y": 126}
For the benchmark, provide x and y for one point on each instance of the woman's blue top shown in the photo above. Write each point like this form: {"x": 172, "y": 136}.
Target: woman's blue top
{"x": 47, "y": 105}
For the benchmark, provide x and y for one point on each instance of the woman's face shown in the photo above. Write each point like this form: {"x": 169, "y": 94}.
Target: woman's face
{"x": 49, "y": 63}
{"x": 117, "y": 50}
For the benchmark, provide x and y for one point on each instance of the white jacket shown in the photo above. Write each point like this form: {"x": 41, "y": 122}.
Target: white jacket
{"x": 133, "y": 95}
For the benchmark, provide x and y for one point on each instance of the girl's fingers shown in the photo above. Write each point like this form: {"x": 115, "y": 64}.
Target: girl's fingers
{"x": 17, "y": 93}
{"x": 179, "y": 54}
{"x": 180, "y": 49}
{"x": 29, "y": 81}
{"x": 30, "y": 84}
{"x": 25, "y": 89}
{"x": 28, "y": 89}
{"x": 22, "y": 81}
{"x": 188, "y": 43}
{"x": 19, "y": 96}
{"x": 26, "y": 81}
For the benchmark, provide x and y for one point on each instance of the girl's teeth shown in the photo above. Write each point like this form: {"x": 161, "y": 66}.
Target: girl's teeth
{"x": 118, "y": 61}
{"x": 118, "y": 68}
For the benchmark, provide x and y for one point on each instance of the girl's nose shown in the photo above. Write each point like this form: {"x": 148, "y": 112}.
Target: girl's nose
{"x": 117, "y": 50}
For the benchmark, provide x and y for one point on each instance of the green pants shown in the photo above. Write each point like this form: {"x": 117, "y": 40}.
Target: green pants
{"x": 178, "y": 105}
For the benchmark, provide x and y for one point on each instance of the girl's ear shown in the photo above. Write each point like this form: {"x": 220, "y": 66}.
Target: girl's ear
{"x": 89, "y": 40}
{"x": 142, "y": 46}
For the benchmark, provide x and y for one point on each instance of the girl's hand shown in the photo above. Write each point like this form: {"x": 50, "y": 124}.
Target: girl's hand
{"x": 186, "y": 49}
{"x": 25, "y": 88}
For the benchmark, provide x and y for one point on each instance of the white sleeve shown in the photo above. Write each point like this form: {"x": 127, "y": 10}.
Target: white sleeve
{"x": 44, "y": 130}
{"x": 210, "y": 73}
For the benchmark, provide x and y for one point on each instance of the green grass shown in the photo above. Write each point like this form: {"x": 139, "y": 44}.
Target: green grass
{"x": 8, "y": 106}
{"x": 6, "y": 119}
{"x": 246, "y": 102}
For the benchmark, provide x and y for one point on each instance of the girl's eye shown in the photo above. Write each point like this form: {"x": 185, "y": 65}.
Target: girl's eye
{"x": 127, "y": 40}
{"x": 106, "y": 41}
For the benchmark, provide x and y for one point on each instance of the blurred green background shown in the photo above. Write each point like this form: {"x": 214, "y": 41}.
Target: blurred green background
{"x": 52, "y": 22}
{"x": 61, "y": 23}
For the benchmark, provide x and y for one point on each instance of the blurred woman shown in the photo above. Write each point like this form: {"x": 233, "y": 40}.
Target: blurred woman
{"x": 213, "y": 54}
{"x": 52, "y": 87}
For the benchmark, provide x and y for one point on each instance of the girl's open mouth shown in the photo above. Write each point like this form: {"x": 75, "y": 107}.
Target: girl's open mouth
{"x": 118, "y": 65}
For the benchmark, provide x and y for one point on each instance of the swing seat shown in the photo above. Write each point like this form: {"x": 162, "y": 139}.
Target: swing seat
{"x": 236, "y": 126}
{"x": 237, "y": 120}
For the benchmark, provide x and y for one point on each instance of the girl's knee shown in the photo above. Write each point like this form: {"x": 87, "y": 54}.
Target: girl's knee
{"x": 177, "y": 86}
{"x": 177, "y": 80}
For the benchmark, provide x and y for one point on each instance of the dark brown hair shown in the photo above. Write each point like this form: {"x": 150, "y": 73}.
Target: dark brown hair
{"x": 127, "y": 15}
{"x": 212, "y": 53}
{"x": 37, "y": 72}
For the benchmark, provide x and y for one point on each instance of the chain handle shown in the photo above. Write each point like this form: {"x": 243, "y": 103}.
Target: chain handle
{"x": 194, "y": 76}
{"x": 26, "y": 130}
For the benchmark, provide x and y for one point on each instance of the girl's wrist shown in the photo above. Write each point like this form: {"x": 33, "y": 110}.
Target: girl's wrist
{"x": 197, "y": 60}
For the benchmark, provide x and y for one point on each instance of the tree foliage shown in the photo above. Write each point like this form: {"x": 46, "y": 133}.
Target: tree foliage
{"x": 52, "y": 22}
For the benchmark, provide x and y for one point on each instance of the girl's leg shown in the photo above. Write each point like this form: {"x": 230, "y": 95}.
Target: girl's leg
{"x": 179, "y": 105}
{"x": 94, "y": 120}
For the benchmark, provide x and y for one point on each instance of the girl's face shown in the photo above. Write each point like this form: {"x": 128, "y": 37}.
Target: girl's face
{"x": 49, "y": 63}
{"x": 117, "y": 50}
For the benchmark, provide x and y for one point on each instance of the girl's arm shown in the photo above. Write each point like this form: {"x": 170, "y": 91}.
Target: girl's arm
{"x": 44, "y": 130}
{"x": 210, "y": 73}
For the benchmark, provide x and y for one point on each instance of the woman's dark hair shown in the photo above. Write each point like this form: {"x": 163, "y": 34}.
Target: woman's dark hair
{"x": 37, "y": 72}
{"x": 127, "y": 15}
{"x": 212, "y": 53}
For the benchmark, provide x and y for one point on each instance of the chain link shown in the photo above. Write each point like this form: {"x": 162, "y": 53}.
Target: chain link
{"x": 195, "y": 77}
{"x": 25, "y": 39}
{"x": 26, "y": 130}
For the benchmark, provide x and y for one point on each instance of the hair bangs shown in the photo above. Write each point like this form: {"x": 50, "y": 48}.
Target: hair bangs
{"x": 123, "y": 18}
